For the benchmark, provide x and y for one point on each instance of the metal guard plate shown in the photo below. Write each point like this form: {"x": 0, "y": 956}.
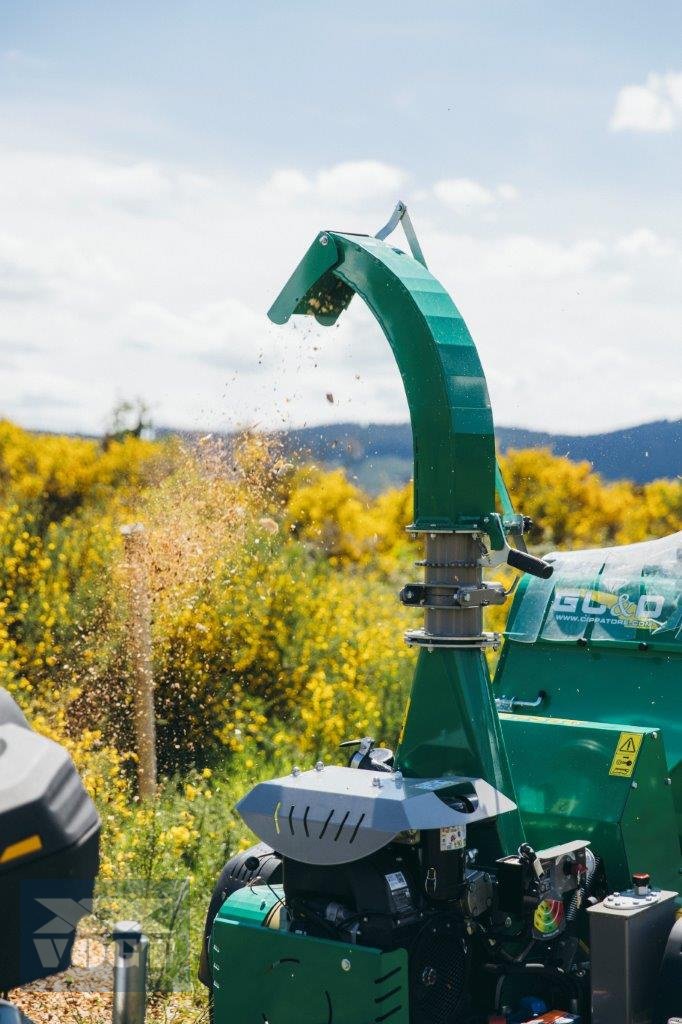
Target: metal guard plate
{"x": 339, "y": 815}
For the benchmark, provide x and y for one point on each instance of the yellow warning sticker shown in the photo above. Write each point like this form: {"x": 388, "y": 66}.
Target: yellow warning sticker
{"x": 625, "y": 757}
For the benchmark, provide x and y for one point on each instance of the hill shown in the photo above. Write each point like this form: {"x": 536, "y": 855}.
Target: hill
{"x": 380, "y": 454}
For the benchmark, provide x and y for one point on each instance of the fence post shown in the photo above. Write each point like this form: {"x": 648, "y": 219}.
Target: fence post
{"x": 140, "y": 654}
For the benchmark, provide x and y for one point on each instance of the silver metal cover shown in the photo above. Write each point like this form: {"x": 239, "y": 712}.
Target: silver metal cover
{"x": 337, "y": 815}
{"x": 627, "y": 943}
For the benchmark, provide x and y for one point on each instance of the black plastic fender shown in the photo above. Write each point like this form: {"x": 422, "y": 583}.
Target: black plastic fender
{"x": 235, "y": 875}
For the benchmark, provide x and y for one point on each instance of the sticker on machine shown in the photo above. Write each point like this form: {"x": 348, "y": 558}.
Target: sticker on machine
{"x": 396, "y": 881}
{"x": 453, "y": 837}
{"x": 625, "y": 757}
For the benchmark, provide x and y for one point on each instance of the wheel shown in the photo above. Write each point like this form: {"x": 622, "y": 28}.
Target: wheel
{"x": 258, "y": 864}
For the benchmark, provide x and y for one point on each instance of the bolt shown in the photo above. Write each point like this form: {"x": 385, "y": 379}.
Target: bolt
{"x": 398, "y": 778}
{"x": 345, "y": 964}
{"x": 324, "y": 239}
{"x": 668, "y": 782}
{"x": 295, "y": 771}
{"x": 319, "y": 767}
{"x": 429, "y": 977}
{"x": 507, "y": 922}
{"x": 376, "y": 781}
{"x": 654, "y": 735}
{"x": 634, "y": 785}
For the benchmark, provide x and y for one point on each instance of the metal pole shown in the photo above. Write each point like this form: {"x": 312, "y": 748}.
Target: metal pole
{"x": 11, "y": 1014}
{"x": 140, "y": 643}
{"x": 130, "y": 973}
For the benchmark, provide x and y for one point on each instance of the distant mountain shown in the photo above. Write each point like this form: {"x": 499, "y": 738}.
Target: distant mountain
{"x": 379, "y": 455}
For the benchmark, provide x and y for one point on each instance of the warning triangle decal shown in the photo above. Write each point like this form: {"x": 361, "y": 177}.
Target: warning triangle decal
{"x": 629, "y": 746}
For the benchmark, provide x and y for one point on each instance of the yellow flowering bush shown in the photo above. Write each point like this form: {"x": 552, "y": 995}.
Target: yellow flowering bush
{"x": 573, "y": 507}
{"x": 276, "y": 628}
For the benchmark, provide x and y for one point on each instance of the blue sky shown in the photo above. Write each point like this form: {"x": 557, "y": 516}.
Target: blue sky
{"x": 163, "y": 165}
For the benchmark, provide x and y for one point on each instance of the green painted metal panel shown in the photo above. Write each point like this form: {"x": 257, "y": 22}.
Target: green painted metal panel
{"x": 452, "y": 426}
{"x": 603, "y": 685}
{"x": 452, "y": 728}
{"x": 452, "y": 725}
{"x": 268, "y": 975}
{"x": 565, "y": 791}
{"x": 251, "y": 904}
{"x": 579, "y": 637}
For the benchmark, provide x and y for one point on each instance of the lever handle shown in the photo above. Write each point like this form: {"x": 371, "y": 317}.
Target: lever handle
{"x": 529, "y": 563}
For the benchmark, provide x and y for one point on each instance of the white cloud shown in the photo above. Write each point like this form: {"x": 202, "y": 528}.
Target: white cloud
{"x": 123, "y": 278}
{"x": 224, "y": 333}
{"x": 348, "y": 183}
{"x": 644, "y": 242}
{"x": 360, "y": 180}
{"x": 286, "y": 184}
{"x": 507, "y": 192}
{"x": 463, "y": 195}
{"x": 655, "y": 106}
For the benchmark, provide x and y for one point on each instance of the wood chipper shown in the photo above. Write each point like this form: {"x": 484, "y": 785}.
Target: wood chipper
{"x": 518, "y": 857}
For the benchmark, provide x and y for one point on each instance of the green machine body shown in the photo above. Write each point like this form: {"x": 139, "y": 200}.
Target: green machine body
{"x": 268, "y": 973}
{"x": 451, "y": 726}
{"x": 589, "y": 683}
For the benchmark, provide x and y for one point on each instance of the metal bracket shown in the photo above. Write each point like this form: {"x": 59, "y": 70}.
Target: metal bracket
{"x": 420, "y": 638}
{"x": 507, "y": 704}
{"x": 495, "y": 556}
{"x": 500, "y": 551}
{"x": 401, "y": 216}
{"x": 452, "y": 595}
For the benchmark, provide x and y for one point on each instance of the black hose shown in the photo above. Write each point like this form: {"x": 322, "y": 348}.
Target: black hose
{"x": 537, "y": 971}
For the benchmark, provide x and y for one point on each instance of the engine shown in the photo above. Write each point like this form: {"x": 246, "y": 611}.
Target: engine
{"x": 409, "y": 895}
{"x": 467, "y": 937}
